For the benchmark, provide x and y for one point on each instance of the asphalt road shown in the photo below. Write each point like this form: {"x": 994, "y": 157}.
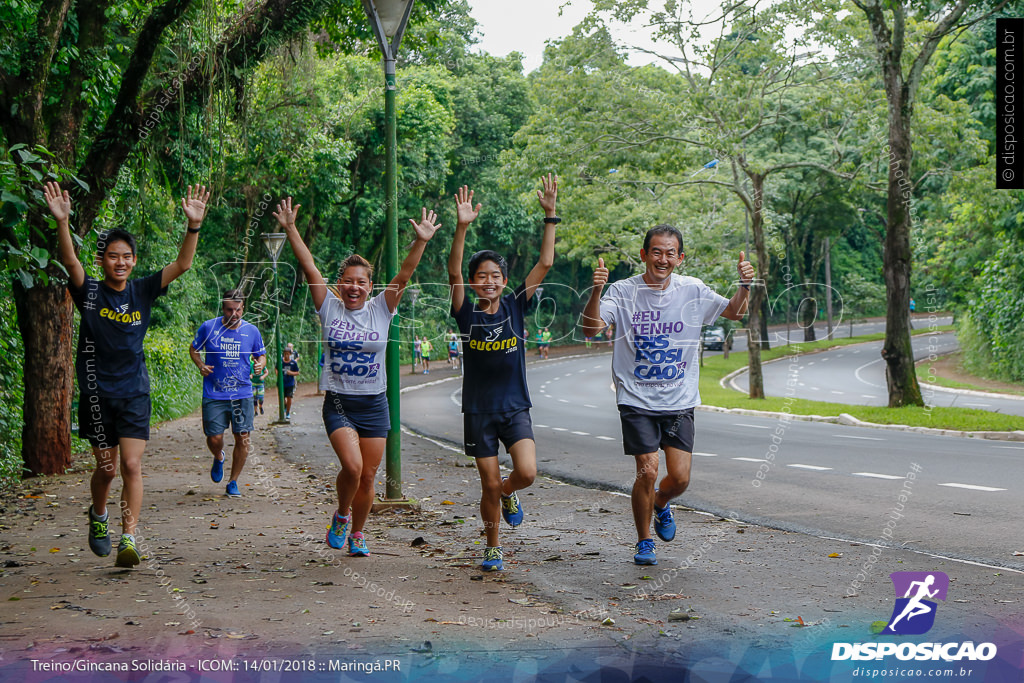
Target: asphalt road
{"x": 823, "y": 479}
{"x": 856, "y": 374}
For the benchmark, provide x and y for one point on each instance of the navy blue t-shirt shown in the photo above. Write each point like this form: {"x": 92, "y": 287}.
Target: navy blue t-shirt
{"x": 494, "y": 355}
{"x": 110, "y": 361}
{"x": 289, "y": 380}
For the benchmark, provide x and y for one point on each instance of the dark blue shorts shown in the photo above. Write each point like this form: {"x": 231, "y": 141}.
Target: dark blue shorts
{"x": 218, "y": 414}
{"x": 104, "y": 420}
{"x": 647, "y": 431}
{"x": 484, "y": 430}
{"x": 367, "y": 415}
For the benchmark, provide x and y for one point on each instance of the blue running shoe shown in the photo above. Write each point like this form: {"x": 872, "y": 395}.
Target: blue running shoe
{"x": 99, "y": 537}
{"x": 232, "y": 489}
{"x": 337, "y": 530}
{"x": 492, "y": 559}
{"x": 664, "y": 523}
{"x": 217, "y": 471}
{"x": 511, "y": 510}
{"x": 357, "y": 545}
{"x": 645, "y": 552}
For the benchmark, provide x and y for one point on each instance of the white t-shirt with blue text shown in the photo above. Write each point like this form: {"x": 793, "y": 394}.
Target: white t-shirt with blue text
{"x": 354, "y": 346}
{"x": 657, "y": 335}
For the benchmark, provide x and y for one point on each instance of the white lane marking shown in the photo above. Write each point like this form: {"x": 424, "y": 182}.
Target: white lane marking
{"x": 980, "y": 405}
{"x": 598, "y": 367}
{"x": 707, "y": 455}
{"x": 741, "y": 424}
{"x": 816, "y": 468}
{"x": 580, "y": 372}
{"x": 867, "y": 396}
{"x": 744, "y": 460}
{"x": 856, "y": 373}
{"x": 815, "y": 389}
{"x": 1016, "y": 448}
{"x": 808, "y": 365}
{"x": 554, "y": 379}
{"x": 606, "y": 438}
{"x": 972, "y": 487}
{"x": 557, "y": 429}
{"x": 581, "y": 434}
{"x": 801, "y": 384}
{"x": 561, "y": 400}
{"x": 457, "y": 401}
{"x": 824, "y": 359}
{"x": 540, "y": 425}
{"x": 840, "y": 393}
{"x": 877, "y": 476}
{"x": 847, "y": 436}
{"x": 587, "y": 405}
{"x": 568, "y": 374}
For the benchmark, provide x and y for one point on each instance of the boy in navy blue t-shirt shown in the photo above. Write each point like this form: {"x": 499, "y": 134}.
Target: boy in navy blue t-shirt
{"x": 110, "y": 365}
{"x": 495, "y": 399}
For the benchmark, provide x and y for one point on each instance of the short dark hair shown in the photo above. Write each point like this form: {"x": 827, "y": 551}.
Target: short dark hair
{"x": 487, "y": 255}
{"x": 114, "y": 235}
{"x": 354, "y": 260}
{"x": 663, "y": 229}
{"x": 233, "y": 295}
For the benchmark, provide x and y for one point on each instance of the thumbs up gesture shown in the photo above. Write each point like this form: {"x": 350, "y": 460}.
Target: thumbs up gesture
{"x": 601, "y": 274}
{"x": 745, "y": 269}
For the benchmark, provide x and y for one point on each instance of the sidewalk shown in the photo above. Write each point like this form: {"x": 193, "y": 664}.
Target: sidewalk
{"x": 251, "y": 577}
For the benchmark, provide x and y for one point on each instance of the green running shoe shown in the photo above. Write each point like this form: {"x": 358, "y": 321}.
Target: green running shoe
{"x": 127, "y": 555}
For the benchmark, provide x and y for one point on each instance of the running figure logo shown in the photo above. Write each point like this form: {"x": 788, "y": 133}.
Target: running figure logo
{"x": 913, "y": 614}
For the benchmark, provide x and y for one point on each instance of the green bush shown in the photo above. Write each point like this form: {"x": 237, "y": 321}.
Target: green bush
{"x": 176, "y": 387}
{"x": 11, "y": 359}
{"x": 992, "y": 331}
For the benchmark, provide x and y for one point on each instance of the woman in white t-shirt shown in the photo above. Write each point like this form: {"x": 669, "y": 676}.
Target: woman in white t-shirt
{"x": 355, "y": 332}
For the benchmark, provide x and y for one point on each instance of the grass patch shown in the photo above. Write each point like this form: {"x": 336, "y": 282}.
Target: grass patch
{"x": 967, "y": 419}
{"x": 924, "y": 375}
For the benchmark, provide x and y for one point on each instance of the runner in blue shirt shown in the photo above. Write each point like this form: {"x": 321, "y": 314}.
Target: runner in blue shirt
{"x": 229, "y": 343}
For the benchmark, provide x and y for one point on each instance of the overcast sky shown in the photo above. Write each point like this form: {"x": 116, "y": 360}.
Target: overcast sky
{"x": 525, "y": 25}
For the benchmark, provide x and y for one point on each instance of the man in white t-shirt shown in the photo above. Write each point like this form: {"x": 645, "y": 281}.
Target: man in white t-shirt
{"x": 658, "y": 316}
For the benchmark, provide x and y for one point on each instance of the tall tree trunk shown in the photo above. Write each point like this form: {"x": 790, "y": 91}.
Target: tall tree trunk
{"x": 808, "y": 312}
{"x": 758, "y": 292}
{"x": 44, "y": 319}
{"x": 897, "y": 352}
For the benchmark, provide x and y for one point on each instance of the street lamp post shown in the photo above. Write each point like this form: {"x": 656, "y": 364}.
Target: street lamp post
{"x": 274, "y": 242}
{"x": 388, "y": 19}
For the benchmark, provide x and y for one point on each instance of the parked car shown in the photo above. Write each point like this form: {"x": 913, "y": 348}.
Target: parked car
{"x": 714, "y": 338}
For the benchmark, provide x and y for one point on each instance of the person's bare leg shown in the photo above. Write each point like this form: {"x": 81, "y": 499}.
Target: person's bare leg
{"x": 131, "y": 490}
{"x": 239, "y": 454}
{"x": 346, "y": 445}
{"x": 102, "y": 478}
{"x": 677, "y": 476}
{"x": 643, "y": 493}
{"x": 490, "y": 497}
{"x": 524, "y": 466}
{"x": 373, "y": 452}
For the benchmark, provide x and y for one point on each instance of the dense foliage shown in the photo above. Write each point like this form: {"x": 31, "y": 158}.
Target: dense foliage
{"x": 629, "y": 143}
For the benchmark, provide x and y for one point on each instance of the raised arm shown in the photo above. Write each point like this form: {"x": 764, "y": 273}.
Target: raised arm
{"x": 466, "y": 215}
{"x": 59, "y": 202}
{"x": 546, "y": 197}
{"x": 425, "y": 229}
{"x": 738, "y": 303}
{"x": 195, "y": 210}
{"x": 592, "y": 321}
{"x": 285, "y": 215}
